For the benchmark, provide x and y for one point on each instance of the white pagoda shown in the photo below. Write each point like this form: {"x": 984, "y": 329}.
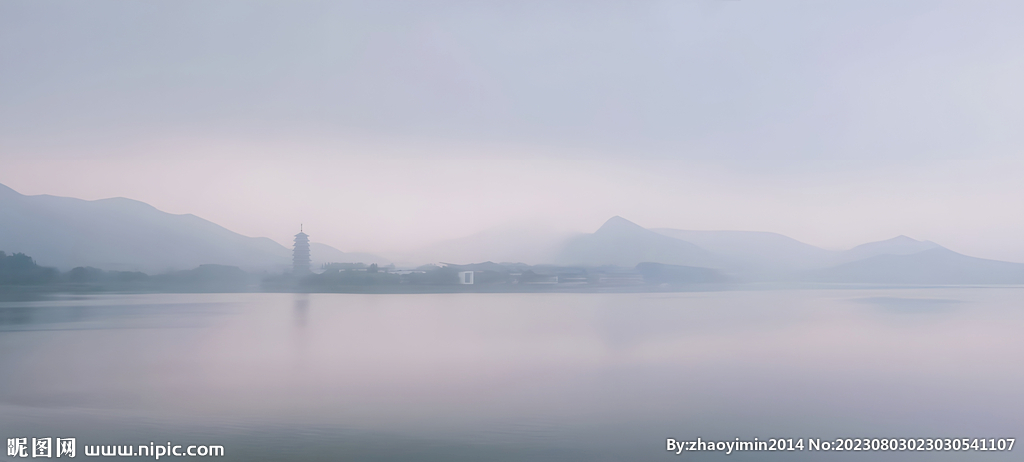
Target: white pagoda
{"x": 300, "y": 254}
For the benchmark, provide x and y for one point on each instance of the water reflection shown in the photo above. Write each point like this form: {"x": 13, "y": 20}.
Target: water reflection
{"x": 15, "y": 315}
{"x": 911, "y": 305}
{"x": 512, "y": 376}
{"x": 301, "y": 309}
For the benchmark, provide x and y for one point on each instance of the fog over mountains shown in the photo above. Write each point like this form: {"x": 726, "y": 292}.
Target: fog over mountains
{"x": 621, "y": 242}
{"x": 762, "y": 256}
{"x": 128, "y": 235}
{"x": 749, "y": 256}
{"x": 124, "y": 234}
{"x": 937, "y": 265}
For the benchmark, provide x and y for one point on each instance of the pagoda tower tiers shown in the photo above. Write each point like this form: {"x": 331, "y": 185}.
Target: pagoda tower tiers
{"x": 300, "y": 254}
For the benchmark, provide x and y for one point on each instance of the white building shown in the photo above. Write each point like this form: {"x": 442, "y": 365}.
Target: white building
{"x": 465, "y": 277}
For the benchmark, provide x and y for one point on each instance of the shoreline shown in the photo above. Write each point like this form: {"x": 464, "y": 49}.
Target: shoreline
{"x": 15, "y": 293}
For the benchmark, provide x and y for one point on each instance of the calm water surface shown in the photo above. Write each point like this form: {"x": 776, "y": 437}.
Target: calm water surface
{"x": 531, "y": 377}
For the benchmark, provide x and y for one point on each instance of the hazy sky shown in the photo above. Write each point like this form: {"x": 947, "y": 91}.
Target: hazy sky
{"x": 387, "y": 125}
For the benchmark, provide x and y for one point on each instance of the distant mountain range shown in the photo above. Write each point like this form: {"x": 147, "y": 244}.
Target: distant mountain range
{"x": 761, "y": 256}
{"x": 128, "y": 235}
{"x": 937, "y": 265}
{"x": 743, "y": 255}
{"x": 621, "y": 242}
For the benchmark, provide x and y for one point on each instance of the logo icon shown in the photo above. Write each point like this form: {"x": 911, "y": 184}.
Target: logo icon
{"x": 41, "y": 447}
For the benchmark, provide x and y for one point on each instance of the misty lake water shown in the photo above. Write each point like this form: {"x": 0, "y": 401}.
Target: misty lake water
{"x": 530, "y": 377}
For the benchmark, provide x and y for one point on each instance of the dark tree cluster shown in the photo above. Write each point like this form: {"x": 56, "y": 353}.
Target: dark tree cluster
{"x": 20, "y": 269}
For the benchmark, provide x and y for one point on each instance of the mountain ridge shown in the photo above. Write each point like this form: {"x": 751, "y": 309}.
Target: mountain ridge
{"x": 624, "y": 243}
{"x": 126, "y": 234}
{"x": 937, "y": 265}
{"x": 129, "y": 235}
